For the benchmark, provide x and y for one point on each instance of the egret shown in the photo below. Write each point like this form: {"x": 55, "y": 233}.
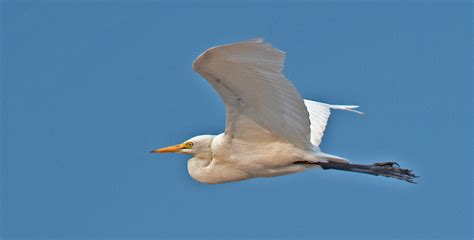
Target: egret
{"x": 270, "y": 129}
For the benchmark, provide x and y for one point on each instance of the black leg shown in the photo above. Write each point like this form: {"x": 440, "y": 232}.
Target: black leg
{"x": 387, "y": 169}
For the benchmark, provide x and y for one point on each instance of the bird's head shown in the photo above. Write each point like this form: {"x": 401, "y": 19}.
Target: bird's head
{"x": 199, "y": 146}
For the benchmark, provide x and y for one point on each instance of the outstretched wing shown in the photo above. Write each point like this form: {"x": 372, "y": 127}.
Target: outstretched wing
{"x": 261, "y": 103}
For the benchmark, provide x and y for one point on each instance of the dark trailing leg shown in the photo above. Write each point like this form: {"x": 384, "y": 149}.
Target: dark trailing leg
{"x": 387, "y": 169}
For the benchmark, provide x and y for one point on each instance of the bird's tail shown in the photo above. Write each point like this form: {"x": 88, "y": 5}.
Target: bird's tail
{"x": 386, "y": 169}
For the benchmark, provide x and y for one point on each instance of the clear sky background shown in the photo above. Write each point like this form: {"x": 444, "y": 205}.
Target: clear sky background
{"x": 90, "y": 87}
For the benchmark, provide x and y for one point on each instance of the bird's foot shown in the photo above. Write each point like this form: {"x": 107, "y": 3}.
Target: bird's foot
{"x": 392, "y": 169}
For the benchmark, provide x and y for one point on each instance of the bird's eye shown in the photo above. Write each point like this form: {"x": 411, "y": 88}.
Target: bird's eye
{"x": 189, "y": 145}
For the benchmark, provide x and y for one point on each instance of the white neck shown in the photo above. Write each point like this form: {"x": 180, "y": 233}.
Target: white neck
{"x": 205, "y": 169}
{"x": 206, "y": 172}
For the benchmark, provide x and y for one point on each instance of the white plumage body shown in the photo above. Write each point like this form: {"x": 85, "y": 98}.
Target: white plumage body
{"x": 241, "y": 160}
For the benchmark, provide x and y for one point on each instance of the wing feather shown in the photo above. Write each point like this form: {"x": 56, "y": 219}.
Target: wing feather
{"x": 248, "y": 77}
{"x": 319, "y": 114}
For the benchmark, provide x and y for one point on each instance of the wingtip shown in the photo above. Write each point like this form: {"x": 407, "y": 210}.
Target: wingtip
{"x": 352, "y": 109}
{"x": 358, "y": 112}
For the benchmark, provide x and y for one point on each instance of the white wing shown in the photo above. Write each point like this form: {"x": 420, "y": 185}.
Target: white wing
{"x": 260, "y": 101}
{"x": 319, "y": 114}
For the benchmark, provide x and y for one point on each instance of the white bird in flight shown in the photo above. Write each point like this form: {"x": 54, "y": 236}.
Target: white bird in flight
{"x": 270, "y": 129}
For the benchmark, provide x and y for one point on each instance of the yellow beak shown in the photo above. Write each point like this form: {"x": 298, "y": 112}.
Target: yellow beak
{"x": 170, "y": 149}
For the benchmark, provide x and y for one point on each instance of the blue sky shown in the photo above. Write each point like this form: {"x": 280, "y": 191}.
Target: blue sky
{"x": 88, "y": 88}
